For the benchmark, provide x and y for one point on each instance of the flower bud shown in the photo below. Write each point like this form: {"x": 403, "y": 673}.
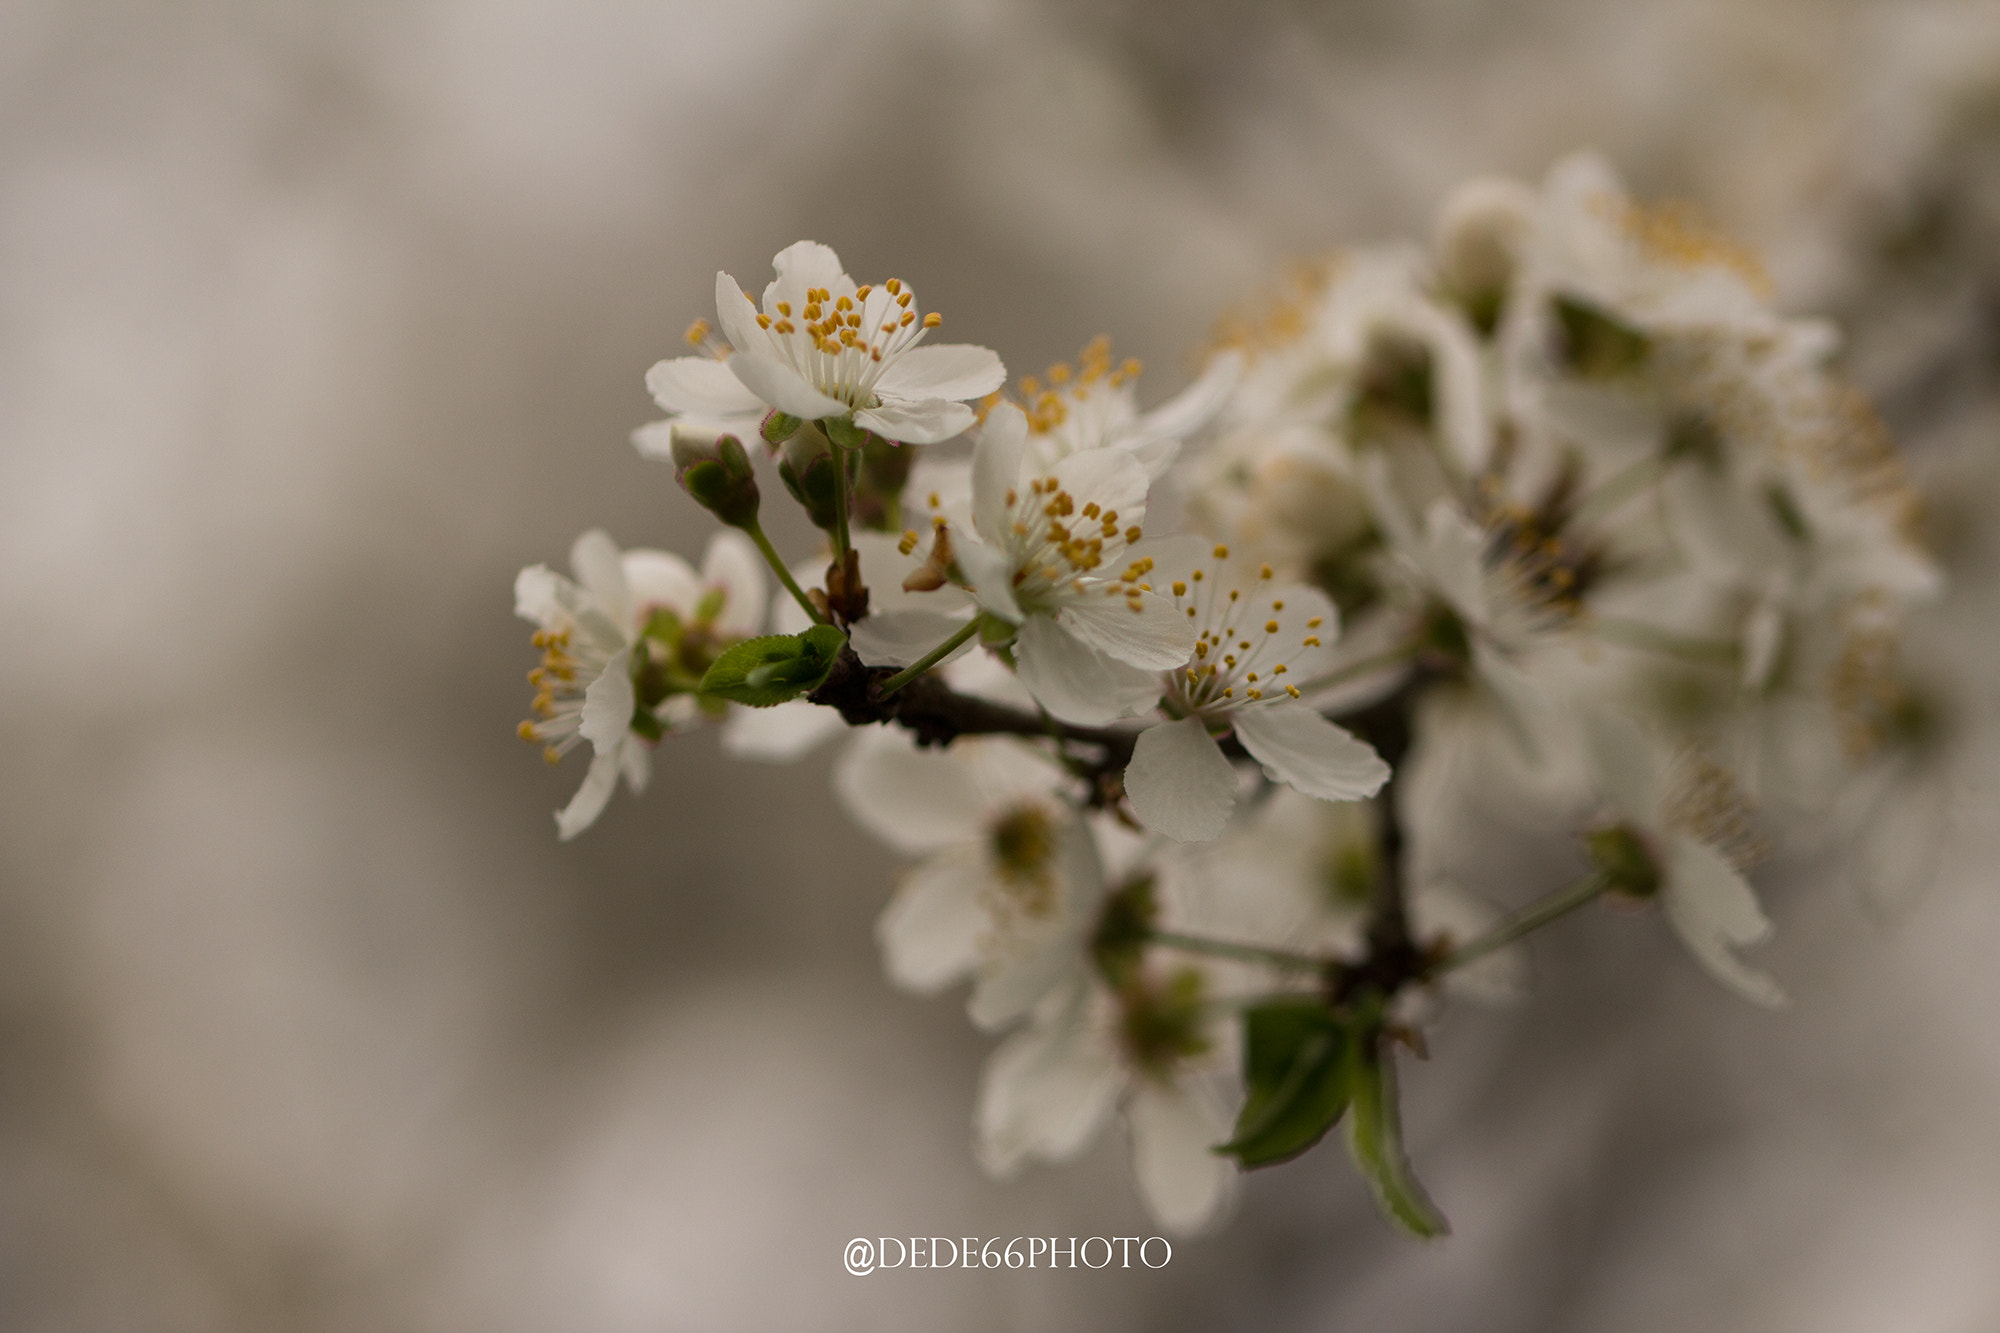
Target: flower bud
{"x": 717, "y": 474}
{"x": 806, "y": 467}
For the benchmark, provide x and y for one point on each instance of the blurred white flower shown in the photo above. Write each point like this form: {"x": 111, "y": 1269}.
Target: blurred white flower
{"x": 1096, "y": 406}
{"x": 634, "y": 626}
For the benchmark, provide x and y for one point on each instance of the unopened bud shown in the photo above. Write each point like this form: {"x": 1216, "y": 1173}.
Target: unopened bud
{"x": 717, "y": 474}
{"x": 806, "y": 467}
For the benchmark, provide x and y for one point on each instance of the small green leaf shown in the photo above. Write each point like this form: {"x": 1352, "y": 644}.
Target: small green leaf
{"x": 1375, "y": 1140}
{"x": 770, "y": 670}
{"x": 1294, "y": 1068}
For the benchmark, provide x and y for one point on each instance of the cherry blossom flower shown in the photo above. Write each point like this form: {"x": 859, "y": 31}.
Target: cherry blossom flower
{"x": 824, "y": 349}
{"x": 624, "y": 643}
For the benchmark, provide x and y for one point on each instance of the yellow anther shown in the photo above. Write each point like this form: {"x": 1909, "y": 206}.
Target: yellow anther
{"x": 1059, "y": 374}
{"x": 861, "y": 292}
{"x": 1133, "y": 533}
{"x": 1136, "y": 604}
{"x": 1311, "y": 641}
{"x": 1092, "y": 510}
{"x": 1196, "y": 576}
{"x": 1314, "y": 622}
{"x": 1221, "y": 552}
{"x": 1292, "y": 690}
{"x": 905, "y": 299}
{"x": 933, "y": 501}
{"x": 785, "y": 326}
{"x": 1229, "y": 659}
{"x": 1277, "y": 606}
{"x": 1229, "y": 694}
{"x": 894, "y": 285}
{"x": 1252, "y": 677}
{"x": 1270, "y": 627}
{"x": 1190, "y": 613}
{"x": 1111, "y": 517}
{"x": 909, "y": 542}
{"x": 933, "y": 319}
{"x": 697, "y": 331}
{"x": 535, "y": 676}
{"x": 526, "y": 731}
{"x": 552, "y": 754}
{"x": 1234, "y": 594}
{"x": 1253, "y": 694}
{"x": 1264, "y": 571}
{"x": 1201, "y": 650}
{"x": 1280, "y": 669}
{"x": 1180, "y": 588}
{"x": 763, "y": 321}
{"x": 1131, "y": 368}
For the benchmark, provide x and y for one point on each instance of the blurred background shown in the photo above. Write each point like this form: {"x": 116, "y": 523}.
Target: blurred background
{"x": 317, "y": 322}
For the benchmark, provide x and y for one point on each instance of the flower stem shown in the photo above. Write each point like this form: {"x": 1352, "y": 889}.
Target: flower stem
{"x": 840, "y": 499}
{"x": 931, "y": 658}
{"x": 1243, "y": 953}
{"x": 1531, "y": 918}
{"x": 756, "y": 531}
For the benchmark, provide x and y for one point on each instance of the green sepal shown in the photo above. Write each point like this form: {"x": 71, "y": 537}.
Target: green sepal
{"x": 1375, "y": 1140}
{"x": 645, "y": 722}
{"x": 1295, "y": 1067}
{"x": 767, "y": 671}
{"x": 779, "y": 426}
{"x": 843, "y": 432}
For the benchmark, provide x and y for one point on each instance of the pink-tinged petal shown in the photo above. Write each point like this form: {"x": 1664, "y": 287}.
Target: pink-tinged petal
{"x": 1179, "y": 782}
{"x": 591, "y": 798}
{"x": 1046, "y": 1093}
{"x": 733, "y": 565}
{"x": 738, "y": 317}
{"x": 1308, "y": 753}
{"x": 782, "y": 387}
{"x": 660, "y": 578}
{"x": 915, "y": 800}
{"x": 953, "y": 371}
{"x": 608, "y": 701}
{"x": 1714, "y": 911}
{"x": 1076, "y": 683}
{"x": 931, "y": 929}
{"x": 996, "y": 470}
{"x": 1155, "y": 636}
{"x": 898, "y": 638}
{"x": 781, "y": 734}
{"x": 600, "y": 570}
{"x": 915, "y": 421}
{"x": 1174, "y": 1133}
{"x": 699, "y": 386}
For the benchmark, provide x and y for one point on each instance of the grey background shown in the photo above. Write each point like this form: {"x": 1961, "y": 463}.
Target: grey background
{"x": 318, "y": 322}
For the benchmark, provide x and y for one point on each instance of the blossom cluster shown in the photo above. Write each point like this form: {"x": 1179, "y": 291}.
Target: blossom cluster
{"x": 1188, "y": 717}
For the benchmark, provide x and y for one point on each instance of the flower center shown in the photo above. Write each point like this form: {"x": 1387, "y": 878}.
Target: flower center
{"x": 841, "y": 344}
{"x": 1242, "y": 649}
{"x": 1056, "y": 544}
{"x": 1023, "y": 843}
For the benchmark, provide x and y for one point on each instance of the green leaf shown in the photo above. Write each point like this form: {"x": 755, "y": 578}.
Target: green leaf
{"x": 1294, "y": 1068}
{"x": 770, "y": 670}
{"x": 1375, "y": 1140}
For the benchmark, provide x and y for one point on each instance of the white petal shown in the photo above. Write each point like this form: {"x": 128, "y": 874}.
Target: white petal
{"x": 1190, "y": 409}
{"x": 635, "y": 761}
{"x": 1714, "y": 911}
{"x": 733, "y": 564}
{"x": 1076, "y": 683}
{"x": 803, "y": 265}
{"x": 655, "y": 440}
{"x": 660, "y": 578}
{"x": 952, "y": 371}
{"x": 1025, "y": 966}
{"x": 1156, "y": 636}
{"x": 536, "y": 595}
{"x": 1180, "y": 1177}
{"x": 591, "y": 798}
{"x": 1111, "y": 477}
{"x": 898, "y": 638}
{"x": 737, "y": 316}
{"x": 607, "y": 704}
{"x": 1045, "y": 1093}
{"x": 780, "y": 734}
{"x": 595, "y": 559}
{"x": 996, "y": 469}
{"x": 1627, "y": 764}
{"x": 992, "y": 579}
{"x": 1179, "y": 782}
{"x": 782, "y": 387}
{"x": 1310, "y": 754}
{"x": 915, "y": 421}
{"x": 700, "y": 386}
{"x": 930, "y": 931}
{"x": 915, "y": 800}
{"x": 1453, "y": 544}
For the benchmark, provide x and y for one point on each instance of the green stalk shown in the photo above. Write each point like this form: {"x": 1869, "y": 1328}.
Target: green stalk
{"x": 1242, "y": 953}
{"x": 756, "y": 531}
{"x": 1531, "y": 918}
{"x": 930, "y": 659}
